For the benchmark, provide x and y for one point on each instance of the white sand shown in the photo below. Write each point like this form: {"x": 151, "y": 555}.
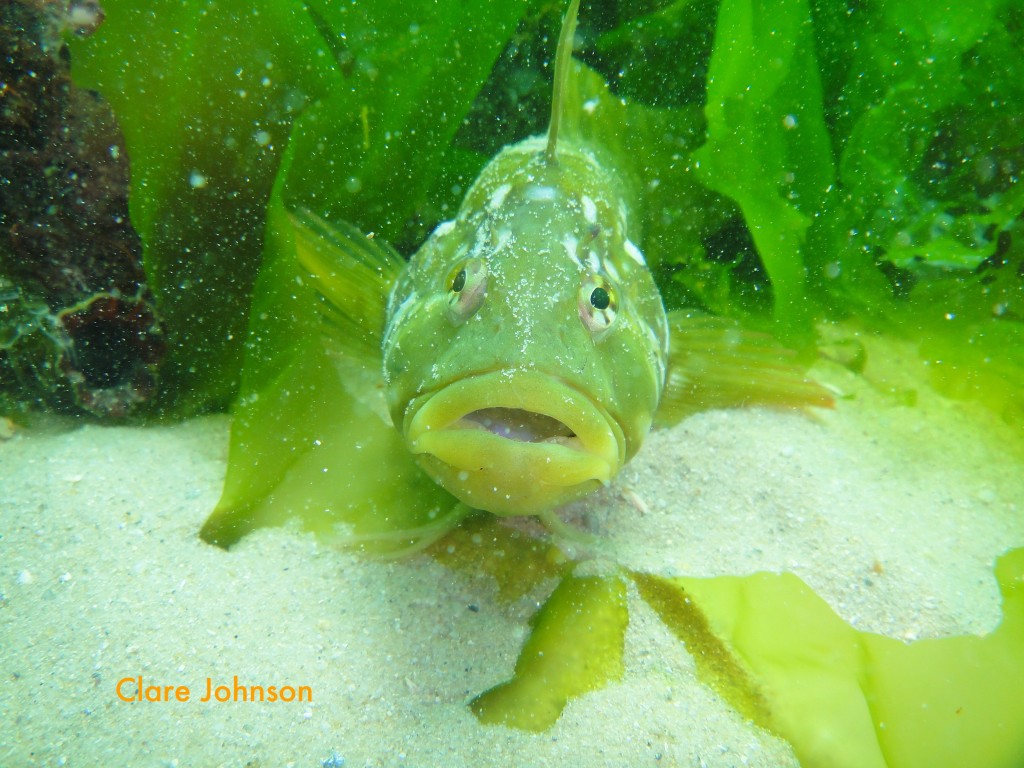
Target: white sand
{"x": 893, "y": 514}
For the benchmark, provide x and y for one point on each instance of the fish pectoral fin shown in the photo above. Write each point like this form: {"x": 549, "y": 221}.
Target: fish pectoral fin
{"x": 353, "y": 274}
{"x": 714, "y": 362}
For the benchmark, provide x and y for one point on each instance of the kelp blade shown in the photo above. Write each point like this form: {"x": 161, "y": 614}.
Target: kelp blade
{"x": 767, "y": 147}
{"x": 206, "y": 112}
{"x": 850, "y": 699}
{"x": 312, "y": 441}
{"x": 575, "y": 647}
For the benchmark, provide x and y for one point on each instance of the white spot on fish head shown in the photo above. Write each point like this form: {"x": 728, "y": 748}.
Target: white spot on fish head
{"x": 633, "y": 252}
{"x": 571, "y": 243}
{"x": 398, "y": 315}
{"x": 444, "y": 228}
{"x": 593, "y": 261}
{"x": 658, "y": 357}
{"x": 538, "y": 192}
{"x": 497, "y": 198}
{"x": 502, "y": 238}
{"x": 652, "y": 337}
{"x": 589, "y": 209}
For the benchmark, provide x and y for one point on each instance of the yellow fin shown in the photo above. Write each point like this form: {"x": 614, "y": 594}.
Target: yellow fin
{"x": 353, "y": 273}
{"x": 716, "y": 363}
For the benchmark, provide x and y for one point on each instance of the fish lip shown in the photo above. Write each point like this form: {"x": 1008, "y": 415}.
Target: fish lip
{"x": 509, "y": 474}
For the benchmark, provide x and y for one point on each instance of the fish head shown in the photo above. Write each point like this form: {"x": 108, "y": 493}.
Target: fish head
{"x": 525, "y": 344}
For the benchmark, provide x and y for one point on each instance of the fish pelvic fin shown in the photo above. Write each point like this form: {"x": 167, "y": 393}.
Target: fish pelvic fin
{"x": 353, "y": 274}
{"x": 563, "y": 70}
{"x": 716, "y": 363}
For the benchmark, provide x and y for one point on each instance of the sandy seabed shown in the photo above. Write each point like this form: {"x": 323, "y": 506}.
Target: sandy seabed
{"x": 893, "y": 514}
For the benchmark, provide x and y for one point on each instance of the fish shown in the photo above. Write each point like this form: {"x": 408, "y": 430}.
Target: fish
{"x": 524, "y": 350}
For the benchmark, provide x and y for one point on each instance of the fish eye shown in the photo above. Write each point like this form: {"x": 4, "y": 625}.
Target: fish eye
{"x": 467, "y": 288}
{"x": 599, "y": 298}
{"x": 459, "y": 281}
{"x": 598, "y": 303}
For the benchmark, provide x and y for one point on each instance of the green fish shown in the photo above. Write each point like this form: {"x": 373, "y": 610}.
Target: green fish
{"x": 526, "y": 344}
{"x": 524, "y": 349}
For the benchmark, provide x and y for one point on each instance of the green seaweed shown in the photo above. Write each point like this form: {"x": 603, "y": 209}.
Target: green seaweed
{"x": 716, "y": 664}
{"x": 369, "y": 152}
{"x": 855, "y": 160}
{"x": 843, "y": 697}
{"x": 660, "y": 56}
{"x": 767, "y": 145}
{"x": 206, "y": 112}
{"x": 920, "y": 235}
{"x": 575, "y": 646}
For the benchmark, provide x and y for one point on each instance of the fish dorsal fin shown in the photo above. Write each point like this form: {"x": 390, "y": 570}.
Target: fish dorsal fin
{"x": 354, "y": 274}
{"x": 563, "y": 61}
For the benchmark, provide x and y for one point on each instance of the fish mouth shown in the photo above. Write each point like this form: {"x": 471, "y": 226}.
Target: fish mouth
{"x": 514, "y": 442}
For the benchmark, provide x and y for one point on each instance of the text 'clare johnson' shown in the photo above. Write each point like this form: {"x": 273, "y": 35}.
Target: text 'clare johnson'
{"x": 134, "y": 689}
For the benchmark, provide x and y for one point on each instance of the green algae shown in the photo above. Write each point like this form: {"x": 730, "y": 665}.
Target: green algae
{"x": 767, "y": 147}
{"x": 227, "y": 82}
{"x": 716, "y": 664}
{"x": 206, "y": 113}
{"x": 853, "y": 160}
{"x": 326, "y": 476}
{"x": 575, "y": 647}
{"x": 843, "y": 697}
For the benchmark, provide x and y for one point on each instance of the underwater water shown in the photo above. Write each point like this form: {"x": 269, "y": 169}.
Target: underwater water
{"x": 842, "y": 178}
